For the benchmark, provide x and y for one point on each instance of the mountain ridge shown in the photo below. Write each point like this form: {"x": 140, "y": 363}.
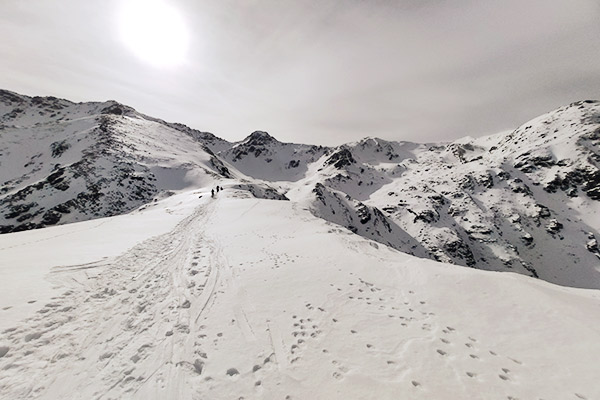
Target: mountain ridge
{"x": 523, "y": 201}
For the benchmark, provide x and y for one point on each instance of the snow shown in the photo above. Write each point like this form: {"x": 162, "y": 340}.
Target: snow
{"x": 487, "y": 203}
{"x": 238, "y": 297}
{"x": 89, "y": 162}
{"x": 260, "y": 156}
{"x": 27, "y": 259}
{"x": 179, "y": 295}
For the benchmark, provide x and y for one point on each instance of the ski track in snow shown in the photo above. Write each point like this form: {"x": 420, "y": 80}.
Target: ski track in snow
{"x": 175, "y": 317}
{"x": 146, "y": 292}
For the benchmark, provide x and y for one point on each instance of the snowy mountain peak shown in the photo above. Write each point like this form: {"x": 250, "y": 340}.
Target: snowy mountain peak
{"x": 64, "y": 162}
{"x": 505, "y": 202}
{"x": 342, "y": 290}
{"x": 371, "y": 141}
{"x": 257, "y": 138}
{"x": 341, "y": 158}
{"x": 8, "y": 97}
{"x": 115, "y": 108}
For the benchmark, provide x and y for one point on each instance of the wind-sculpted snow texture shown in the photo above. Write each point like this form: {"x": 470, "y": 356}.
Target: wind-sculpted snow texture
{"x": 62, "y": 162}
{"x": 524, "y": 201}
{"x": 258, "y": 299}
{"x": 314, "y": 273}
{"x": 262, "y": 157}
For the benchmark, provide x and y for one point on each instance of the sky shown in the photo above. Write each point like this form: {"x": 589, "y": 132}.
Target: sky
{"x": 321, "y": 72}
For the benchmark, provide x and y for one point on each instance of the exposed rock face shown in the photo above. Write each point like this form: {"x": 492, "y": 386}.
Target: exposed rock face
{"x": 261, "y": 156}
{"x": 341, "y": 159}
{"x": 259, "y": 138}
{"x": 63, "y": 162}
{"x": 364, "y": 220}
{"x": 261, "y": 191}
{"x": 502, "y": 203}
{"x": 255, "y": 144}
{"x": 523, "y": 201}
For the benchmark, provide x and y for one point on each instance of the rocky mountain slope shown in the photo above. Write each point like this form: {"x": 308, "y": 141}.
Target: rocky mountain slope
{"x": 525, "y": 201}
{"x": 62, "y": 162}
{"x": 244, "y": 298}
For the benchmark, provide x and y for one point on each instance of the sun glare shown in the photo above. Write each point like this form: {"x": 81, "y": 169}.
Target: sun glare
{"x": 154, "y": 31}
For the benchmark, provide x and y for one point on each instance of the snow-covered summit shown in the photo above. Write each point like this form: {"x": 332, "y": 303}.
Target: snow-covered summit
{"x": 261, "y": 156}
{"x": 18, "y": 110}
{"x": 63, "y": 162}
{"x": 523, "y": 201}
{"x": 258, "y": 138}
{"x": 313, "y": 274}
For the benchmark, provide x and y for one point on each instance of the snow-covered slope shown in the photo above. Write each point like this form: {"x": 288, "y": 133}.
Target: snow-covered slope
{"x": 312, "y": 275}
{"x": 242, "y": 299}
{"x": 525, "y": 201}
{"x": 261, "y": 156}
{"x": 63, "y": 162}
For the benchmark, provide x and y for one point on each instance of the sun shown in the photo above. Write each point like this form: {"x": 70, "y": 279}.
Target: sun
{"x": 154, "y": 31}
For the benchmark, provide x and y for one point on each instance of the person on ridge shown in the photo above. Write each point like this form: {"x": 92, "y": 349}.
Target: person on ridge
{"x": 212, "y": 192}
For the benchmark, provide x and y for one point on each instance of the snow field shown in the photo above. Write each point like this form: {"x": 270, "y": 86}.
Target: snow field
{"x": 239, "y": 297}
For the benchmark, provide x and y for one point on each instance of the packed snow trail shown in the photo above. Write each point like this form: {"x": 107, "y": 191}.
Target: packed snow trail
{"x": 117, "y": 316}
{"x": 251, "y": 299}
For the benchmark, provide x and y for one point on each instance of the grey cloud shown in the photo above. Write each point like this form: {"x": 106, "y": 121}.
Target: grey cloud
{"x": 324, "y": 72}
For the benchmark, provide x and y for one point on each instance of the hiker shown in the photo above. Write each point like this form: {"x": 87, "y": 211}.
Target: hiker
{"x": 212, "y": 192}
{"x": 217, "y": 189}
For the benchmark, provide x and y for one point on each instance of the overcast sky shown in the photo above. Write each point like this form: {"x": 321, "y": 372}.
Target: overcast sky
{"x": 316, "y": 71}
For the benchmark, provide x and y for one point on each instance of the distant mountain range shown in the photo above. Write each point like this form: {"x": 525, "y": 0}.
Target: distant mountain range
{"x": 525, "y": 201}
